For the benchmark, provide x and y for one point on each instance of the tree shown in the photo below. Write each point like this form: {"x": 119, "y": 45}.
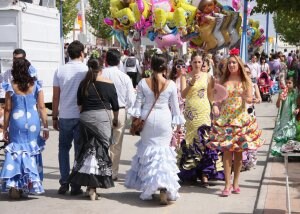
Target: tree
{"x": 98, "y": 10}
{"x": 286, "y": 17}
{"x": 69, "y": 12}
{"x": 287, "y": 25}
{"x": 264, "y": 6}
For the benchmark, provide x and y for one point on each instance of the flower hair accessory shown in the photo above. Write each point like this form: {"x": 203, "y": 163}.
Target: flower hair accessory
{"x": 95, "y": 54}
{"x": 234, "y": 52}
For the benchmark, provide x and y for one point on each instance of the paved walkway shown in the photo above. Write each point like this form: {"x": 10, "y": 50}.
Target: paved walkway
{"x": 256, "y": 193}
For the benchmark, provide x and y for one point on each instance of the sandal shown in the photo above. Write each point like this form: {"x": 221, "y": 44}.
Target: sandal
{"x": 226, "y": 192}
{"x": 204, "y": 184}
{"x": 236, "y": 190}
{"x": 163, "y": 197}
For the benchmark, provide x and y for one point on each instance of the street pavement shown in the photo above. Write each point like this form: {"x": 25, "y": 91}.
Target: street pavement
{"x": 194, "y": 199}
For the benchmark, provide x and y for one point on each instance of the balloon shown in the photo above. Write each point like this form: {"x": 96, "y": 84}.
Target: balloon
{"x": 162, "y": 4}
{"x": 121, "y": 38}
{"x": 217, "y": 31}
{"x": 159, "y": 18}
{"x": 170, "y": 20}
{"x": 233, "y": 33}
{"x": 152, "y": 35}
{"x": 190, "y": 13}
{"x": 126, "y": 17}
{"x": 224, "y": 28}
{"x": 165, "y": 41}
{"x": 140, "y": 5}
{"x": 138, "y": 13}
{"x": 196, "y": 3}
{"x": 108, "y": 21}
{"x": 135, "y": 41}
{"x": 249, "y": 9}
{"x": 207, "y": 6}
{"x": 206, "y": 33}
{"x": 236, "y": 4}
{"x": 115, "y": 6}
{"x": 180, "y": 20}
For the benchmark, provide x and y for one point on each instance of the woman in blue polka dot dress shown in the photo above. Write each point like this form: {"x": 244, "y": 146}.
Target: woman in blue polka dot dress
{"x": 22, "y": 171}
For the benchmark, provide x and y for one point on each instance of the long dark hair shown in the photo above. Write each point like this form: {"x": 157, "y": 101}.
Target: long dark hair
{"x": 95, "y": 65}
{"x": 173, "y": 74}
{"x": 21, "y": 75}
{"x": 158, "y": 65}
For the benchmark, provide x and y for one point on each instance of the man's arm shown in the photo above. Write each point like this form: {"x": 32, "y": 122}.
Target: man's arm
{"x": 55, "y": 104}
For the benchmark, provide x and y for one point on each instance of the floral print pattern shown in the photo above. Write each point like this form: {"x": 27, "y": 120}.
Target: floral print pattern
{"x": 235, "y": 129}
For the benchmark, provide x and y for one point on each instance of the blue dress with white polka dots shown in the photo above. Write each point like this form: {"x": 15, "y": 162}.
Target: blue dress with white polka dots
{"x": 22, "y": 168}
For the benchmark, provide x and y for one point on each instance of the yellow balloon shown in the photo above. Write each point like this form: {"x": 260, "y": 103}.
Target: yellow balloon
{"x": 126, "y": 18}
{"x": 137, "y": 13}
{"x": 159, "y": 18}
{"x": 179, "y": 18}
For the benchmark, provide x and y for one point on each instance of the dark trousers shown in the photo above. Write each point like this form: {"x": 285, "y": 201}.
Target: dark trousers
{"x": 133, "y": 77}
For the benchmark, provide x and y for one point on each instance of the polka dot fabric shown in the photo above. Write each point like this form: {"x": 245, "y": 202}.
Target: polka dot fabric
{"x": 23, "y": 168}
{"x": 235, "y": 130}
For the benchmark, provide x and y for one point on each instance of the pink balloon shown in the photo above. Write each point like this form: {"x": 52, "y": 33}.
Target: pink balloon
{"x": 249, "y": 10}
{"x": 165, "y": 41}
{"x": 140, "y": 5}
{"x": 108, "y": 21}
{"x": 236, "y": 4}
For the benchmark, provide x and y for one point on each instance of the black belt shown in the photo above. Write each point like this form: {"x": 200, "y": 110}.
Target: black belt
{"x": 122, "y": 107}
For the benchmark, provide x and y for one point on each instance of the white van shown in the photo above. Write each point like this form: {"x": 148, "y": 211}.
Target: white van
{"x": 34, "y": 27}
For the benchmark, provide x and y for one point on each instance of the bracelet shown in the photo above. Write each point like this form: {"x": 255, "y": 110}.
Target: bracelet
{"x": 45, "y": 129}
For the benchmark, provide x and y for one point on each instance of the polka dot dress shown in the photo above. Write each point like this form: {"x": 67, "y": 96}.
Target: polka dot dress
{"x": 22, "y": 168}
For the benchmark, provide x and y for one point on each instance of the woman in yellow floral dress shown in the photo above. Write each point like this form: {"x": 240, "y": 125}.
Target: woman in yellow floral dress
{"x": 235, "y": 130}
{"x": 194, "y": 159}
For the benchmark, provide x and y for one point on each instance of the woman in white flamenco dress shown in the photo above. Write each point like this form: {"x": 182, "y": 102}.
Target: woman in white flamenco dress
{"x": 154, "y": 165}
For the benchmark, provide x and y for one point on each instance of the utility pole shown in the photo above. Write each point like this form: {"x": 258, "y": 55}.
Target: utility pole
{"x": 244, "y": 43}
{"x": 61, "y": 32}
{"x": 84, "y": 31}
{"x": 267, "y": 35}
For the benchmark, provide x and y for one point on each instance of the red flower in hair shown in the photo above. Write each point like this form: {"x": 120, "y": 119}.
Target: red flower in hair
{"x": 234, "y": 52}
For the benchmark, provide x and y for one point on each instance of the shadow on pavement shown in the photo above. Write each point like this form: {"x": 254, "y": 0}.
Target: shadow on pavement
{"x": 269, "y": 211}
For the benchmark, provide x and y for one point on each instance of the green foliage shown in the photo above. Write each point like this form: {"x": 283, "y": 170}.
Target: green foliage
{"x": 98, "y": 10}
{"x": 286, "y": 17}
{"x": 69, "y": 14}
{"x": 287, "y": 25}
{"x": 264, "y": 6}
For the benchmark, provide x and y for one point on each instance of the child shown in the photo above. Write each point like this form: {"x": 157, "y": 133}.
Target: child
{"x": 285, "y": 128}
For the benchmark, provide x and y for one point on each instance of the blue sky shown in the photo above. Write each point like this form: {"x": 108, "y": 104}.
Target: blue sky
{"x": 257, "y": 17}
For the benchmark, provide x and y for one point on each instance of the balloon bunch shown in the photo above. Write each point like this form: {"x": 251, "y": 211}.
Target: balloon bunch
{"x": 205, "y": 24}
{"x": 255, "y": 35}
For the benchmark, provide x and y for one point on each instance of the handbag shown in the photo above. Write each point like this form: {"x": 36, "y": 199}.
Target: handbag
{"x": 137, "y": 123}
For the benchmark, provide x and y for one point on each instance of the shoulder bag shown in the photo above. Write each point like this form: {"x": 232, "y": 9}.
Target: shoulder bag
{"x": 137, "y": 123}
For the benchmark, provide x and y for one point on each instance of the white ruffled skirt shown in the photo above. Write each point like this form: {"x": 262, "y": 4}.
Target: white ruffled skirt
{"x": 154, "y": 167}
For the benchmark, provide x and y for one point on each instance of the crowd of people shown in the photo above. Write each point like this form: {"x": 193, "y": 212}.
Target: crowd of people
{"x": 187, "y": 134}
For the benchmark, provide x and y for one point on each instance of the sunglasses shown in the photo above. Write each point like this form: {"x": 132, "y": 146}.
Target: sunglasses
{"x": 180, "y": 66}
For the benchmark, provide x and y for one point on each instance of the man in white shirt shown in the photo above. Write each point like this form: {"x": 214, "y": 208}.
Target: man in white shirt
{"x": 126, "y": 95}
{"x": 254, "y": 67}
{"x": 7, "y": 77}
{"x": 132, "y": 68}
{"x": 64, "y": 105}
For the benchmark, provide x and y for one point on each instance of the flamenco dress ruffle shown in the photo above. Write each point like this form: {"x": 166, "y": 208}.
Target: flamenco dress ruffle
{"x": 196, "y": 160}
{"x": 23, "y": 167}
{"x": 236, "y": 135}
{"x": 152, "y": 168}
